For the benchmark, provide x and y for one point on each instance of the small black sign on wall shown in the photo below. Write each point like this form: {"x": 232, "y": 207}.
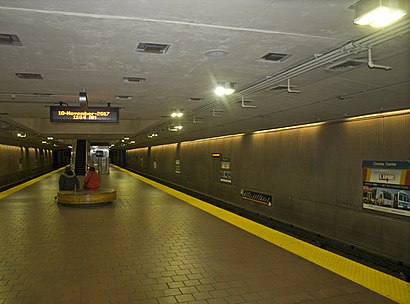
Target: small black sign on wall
{"x": 256, "y": 197}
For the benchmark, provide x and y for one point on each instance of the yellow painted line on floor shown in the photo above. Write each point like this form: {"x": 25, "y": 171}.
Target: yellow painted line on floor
{"x": 379, "y": 282}
{"x": 10, "y": 191}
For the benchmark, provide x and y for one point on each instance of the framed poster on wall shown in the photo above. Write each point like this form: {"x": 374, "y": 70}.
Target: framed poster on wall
{"x": 225, "y": 176}
{"x": 386, "y": 186}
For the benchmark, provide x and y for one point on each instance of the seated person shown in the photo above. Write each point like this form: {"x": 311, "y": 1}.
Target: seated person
{"x": 92, "y": 179}
{"x": 68, "y": 180}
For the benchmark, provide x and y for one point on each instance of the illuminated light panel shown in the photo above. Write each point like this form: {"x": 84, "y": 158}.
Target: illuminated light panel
{"x": 224, "y": 88}
{"x": 380, "y": 16}
{"x": 177, "y": 114}
{"x": 220, "y": 91}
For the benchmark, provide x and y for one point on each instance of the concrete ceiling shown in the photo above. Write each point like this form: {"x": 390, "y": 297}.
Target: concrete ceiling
{"x": 91, "y": 45}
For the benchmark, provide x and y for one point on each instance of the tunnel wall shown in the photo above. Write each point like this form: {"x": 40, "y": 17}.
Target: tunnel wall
{"x": 18, "y": 164}
{"x": 313, "y": 174}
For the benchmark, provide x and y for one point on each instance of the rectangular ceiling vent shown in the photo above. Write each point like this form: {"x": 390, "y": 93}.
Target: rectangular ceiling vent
{"x": 134, "y": 79}
{"x": 9, "y": 39}
{"x": 275, "y": 57}
{"x": 345, "y": 65}
{"x": 29, "y": 76}
{"x": 152, "y": 48}
{"x": 123, "y": 97}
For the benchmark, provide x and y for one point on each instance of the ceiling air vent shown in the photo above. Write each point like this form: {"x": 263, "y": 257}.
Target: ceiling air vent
{"x": 134, "y": 79}
{"x": 153, "y": 48}
{"x": 9, "y": 39}
{"x": 345, "y": 65}
{"x": 275, "y": 57}
{"x": 29, "y": 76}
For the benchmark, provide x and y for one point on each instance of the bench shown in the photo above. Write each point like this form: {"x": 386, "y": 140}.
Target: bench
{"x": 87, "y": 197}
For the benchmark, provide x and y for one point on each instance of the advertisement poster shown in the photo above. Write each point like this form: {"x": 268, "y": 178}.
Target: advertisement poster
{"x": 386, "y": 186}
{"x": 226, "y": 171}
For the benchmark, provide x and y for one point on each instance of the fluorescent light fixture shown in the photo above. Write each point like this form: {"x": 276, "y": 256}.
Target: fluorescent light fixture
{"x": 43, "y": 142}
{"x": 132, "y": 142}
{"x": 126, "y": 138}
{"x": 50, "y": 138}
{"x": 379, "y": 13}
{"x": 152, "y": 135}
{"x": 175, "y": 128}
{"x": 224, "y": 88}
{"x": 177, "y": 114}
{"x": 21, "y": 134}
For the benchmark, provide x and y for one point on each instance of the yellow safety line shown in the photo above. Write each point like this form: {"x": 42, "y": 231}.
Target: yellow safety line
{"x": 10, "y": 191}
{"x": 379, "y": 282}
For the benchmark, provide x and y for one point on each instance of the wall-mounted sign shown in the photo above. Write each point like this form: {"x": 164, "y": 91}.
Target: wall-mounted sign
{"x": 386, "y": 186}
{"x": 226, "y": 171}
{"x": 99, "y": 153}
{"x": 177, "y": 166}
{"x": 76, "y": 114}
{"x": 256, "y": 197}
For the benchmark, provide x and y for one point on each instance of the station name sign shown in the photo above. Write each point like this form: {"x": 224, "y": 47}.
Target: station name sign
{"x": 76, "y": 114}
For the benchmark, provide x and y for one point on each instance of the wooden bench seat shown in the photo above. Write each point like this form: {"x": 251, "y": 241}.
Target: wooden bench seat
{"x": 86, "y": 197}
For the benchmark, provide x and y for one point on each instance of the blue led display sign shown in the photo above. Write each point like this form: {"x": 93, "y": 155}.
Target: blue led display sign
{"x": 76, "y": 114}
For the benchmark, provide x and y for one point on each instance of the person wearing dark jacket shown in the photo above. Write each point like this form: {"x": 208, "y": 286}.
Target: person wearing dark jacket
{"x": 68, "y": 180}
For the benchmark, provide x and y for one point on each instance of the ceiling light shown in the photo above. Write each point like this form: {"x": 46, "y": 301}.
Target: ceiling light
{"x": 379, "y": 13}
{"x": 176, "y": 114}
{"x": 126, "y": 138}
{"x": 50, "y": 138}
{"x": 132, "y": 142}
{"x": 224, "y": 88}
{"x": 43, "y": 142}
{"x": 174, "y": 128}
{"x": 21, "y": 134}
{"x": 83, "y": 99}
{"x": 151, "y": 135}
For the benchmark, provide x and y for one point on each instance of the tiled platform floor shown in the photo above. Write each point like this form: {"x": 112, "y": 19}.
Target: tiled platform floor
{"x": 148, "y": 247}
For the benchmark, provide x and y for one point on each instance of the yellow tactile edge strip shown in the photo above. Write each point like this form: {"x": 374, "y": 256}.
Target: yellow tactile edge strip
{"x": 10, "y": 191}
{"x": 379, "y": 282}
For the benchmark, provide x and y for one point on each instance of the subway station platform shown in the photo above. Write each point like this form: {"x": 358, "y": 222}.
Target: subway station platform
{"x": 157, "y": 245}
